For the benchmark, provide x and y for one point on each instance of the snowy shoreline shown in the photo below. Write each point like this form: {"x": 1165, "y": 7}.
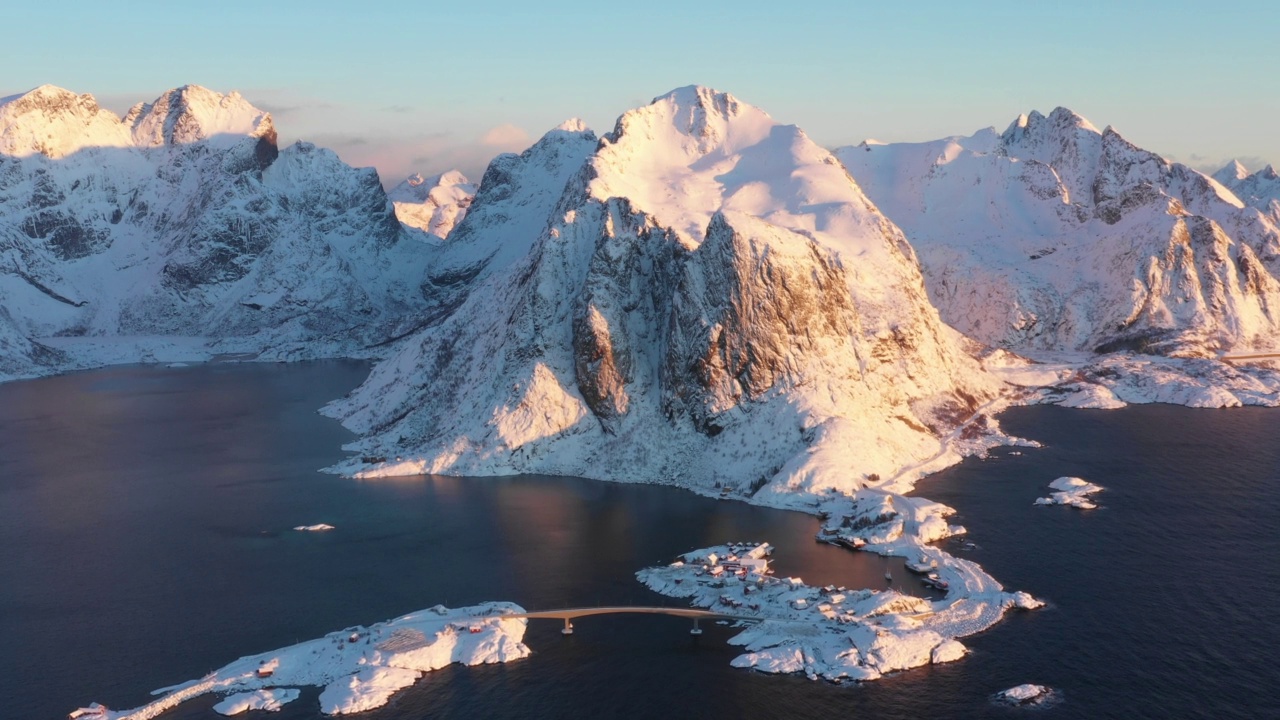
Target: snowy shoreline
{"x": 834, "y": 633}
{"x": 360, "y": 668}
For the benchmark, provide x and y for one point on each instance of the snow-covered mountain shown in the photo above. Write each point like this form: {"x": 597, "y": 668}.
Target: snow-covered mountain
{"x": 1055, "y": 235}
{"x": 185, "y": 219}
{"x": 702, "y": 297}
{"x": 434, "y": 205}
{"x": 1260, "y": 189}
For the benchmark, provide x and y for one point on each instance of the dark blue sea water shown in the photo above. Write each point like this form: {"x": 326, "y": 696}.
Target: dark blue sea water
{"x": 145, "y": 515}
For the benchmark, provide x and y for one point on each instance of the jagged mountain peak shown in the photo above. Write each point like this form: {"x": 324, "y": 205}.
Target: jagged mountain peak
{"x": 1060, "y": 119}
{"x": 573, "y": 125}
{"x": 1260, "y": 190}
{"x": 699, "y": 275}
{"x": 56, "y": 122}
{"x": 416, "y": 187}
{"x": 511, "y": 205}
{"x": 46, "y": 94}
{"x": 193, "y": 113}
{"x": 433, "y": 204}
{"x": 1231, "y": 172}
{"x": 695, "y": 150}
{"x": 696, "y": 119}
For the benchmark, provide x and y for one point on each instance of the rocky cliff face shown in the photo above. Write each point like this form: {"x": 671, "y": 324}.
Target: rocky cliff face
{"x": 184, "y": 218}
{"x": 709, "y": 299}
{"x": 1055, "y": 235}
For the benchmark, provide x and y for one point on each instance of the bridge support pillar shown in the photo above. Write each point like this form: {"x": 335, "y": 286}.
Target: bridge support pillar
{"x": 696, "y": 631}
{"x": 568, "y": 627}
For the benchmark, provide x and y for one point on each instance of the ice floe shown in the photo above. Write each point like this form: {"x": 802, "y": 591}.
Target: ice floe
{"x": 318, "y": 527}
{"x": 359, "y": 667}
{"x": 1072, "y": 491}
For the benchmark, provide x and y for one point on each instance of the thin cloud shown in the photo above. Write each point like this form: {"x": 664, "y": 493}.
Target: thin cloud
{"x": 279, "y": 111}
{"x": 506, "y": 136}
{"x": 397, "y": 157}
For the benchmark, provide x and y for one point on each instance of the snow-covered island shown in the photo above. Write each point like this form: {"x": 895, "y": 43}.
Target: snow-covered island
{"x": 833, "y": 633}
{"x": 359, "y": 667}
{"x": 1025, "y": 694}
{"x": 1072, "y": 491}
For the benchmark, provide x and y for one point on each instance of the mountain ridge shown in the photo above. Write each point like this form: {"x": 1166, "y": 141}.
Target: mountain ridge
{"x": 1059, "y": 236}
{"x": 185, "y": 219}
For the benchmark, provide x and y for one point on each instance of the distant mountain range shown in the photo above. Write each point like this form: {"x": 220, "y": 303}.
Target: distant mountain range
{"x": 701, "y": 296}
{"x": 1054, "y": 235}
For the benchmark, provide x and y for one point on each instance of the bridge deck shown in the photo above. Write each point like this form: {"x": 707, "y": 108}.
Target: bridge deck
{"x": 1253, "y": 356}
{"x": 571, "y": 613}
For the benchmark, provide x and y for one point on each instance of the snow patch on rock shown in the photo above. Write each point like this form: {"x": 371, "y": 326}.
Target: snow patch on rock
{"x": 1026, "y": 694}
{"x": 1072, "y": 491}
{"x": 272, "y": 700}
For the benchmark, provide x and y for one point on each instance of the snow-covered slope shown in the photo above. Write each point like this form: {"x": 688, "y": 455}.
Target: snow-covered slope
{"x": 1055, "y": 235}
{"x": 708, "y": 299}
{"x": 435, "y": 204}
{"x": 1260, "y": 189}
{"x": 185, "y": 219}
{"x": 19, "y": 356}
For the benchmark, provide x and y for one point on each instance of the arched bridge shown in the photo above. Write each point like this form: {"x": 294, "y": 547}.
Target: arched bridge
{"x": 568, "y": 615}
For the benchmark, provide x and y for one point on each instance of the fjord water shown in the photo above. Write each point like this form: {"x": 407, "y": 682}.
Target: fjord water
{"x": 145, "y": 516}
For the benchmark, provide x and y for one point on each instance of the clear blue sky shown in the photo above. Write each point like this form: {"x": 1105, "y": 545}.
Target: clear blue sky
{"x": 424, "y": 85}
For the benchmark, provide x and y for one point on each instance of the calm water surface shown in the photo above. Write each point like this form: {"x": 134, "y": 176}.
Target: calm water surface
{"x": 145, "y": 515}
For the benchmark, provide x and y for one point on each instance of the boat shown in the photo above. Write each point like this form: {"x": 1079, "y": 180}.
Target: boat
{"x": 923, "y": 566}
{"x": 853, "y": 543}
{"x": 933, "y": 581}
